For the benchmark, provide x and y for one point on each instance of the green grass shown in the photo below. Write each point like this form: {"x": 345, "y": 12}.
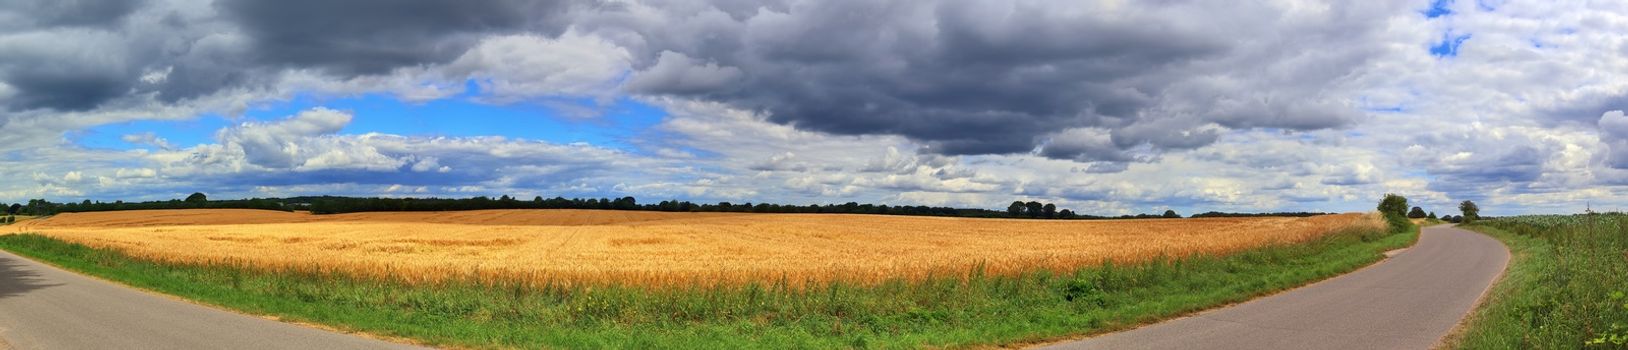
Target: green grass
{"x": 972, "y": 309}
{"x": 1564, "y": 287}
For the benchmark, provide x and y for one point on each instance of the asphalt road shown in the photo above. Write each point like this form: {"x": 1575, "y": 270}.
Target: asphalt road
{"x": 1409, "y": 301}
{"x": 43, "y": 307}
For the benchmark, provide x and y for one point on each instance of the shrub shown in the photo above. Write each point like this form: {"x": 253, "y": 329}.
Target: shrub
{"x": 1395, "y": 209}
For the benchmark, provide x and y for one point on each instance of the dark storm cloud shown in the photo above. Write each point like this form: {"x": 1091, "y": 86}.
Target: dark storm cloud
{"x": 960, "y": 77}
{"x": 962, "y": 81}
{"x": 61, "y": 87}
{"x": 71, "y": 12}
{"x": 35, "y": 69}
{"x": 373, "y": 36}
{"x": 983, "y": 78}
{"x": 77, "y": 55}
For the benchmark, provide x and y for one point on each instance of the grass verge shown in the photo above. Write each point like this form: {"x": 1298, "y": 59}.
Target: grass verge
{"x": 951, "y": 311}
{"x": 1564, "y": 287}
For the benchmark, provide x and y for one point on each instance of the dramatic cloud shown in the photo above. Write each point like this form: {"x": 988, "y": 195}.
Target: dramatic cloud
{"x": 994, "y": 78}
{"x": 1106, "y": 106}
{"x": 375, "y": 36}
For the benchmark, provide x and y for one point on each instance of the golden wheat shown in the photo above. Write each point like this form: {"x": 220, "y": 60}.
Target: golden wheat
{"x": 655, "y": 248}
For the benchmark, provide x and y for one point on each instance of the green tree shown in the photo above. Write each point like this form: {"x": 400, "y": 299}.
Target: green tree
{"x": 1066, "y": 214}
{"x": 1416, "y": 213}
{"x": 1470, "y": 210}
{"x": 1395, "y": 209}
{"x": 1432, "y": 215}
{"x": 197, "y": 198}
{"x": 1394, "y": 204}
{"x": 1016, "y": 209}
{"x": 1171, "y": 214}
{"x": 1050, "y": 210}
{"x": 1034, "y": 208}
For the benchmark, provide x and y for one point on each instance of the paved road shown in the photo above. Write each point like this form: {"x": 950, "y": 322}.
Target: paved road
{"x": 42, "y": 307}
{"x": 1407, "y": 302}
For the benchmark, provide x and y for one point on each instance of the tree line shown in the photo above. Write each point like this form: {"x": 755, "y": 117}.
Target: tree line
{"x": 194, "y": 201}
{"x": 339, "y": 205}
{"x": 334, "y": 205}
{"x": 1395, "y": 209}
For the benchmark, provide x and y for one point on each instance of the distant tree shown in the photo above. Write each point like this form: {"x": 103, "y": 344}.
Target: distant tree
{"x": 1171, "y": 214}
{"x": 1035, "y": 209}
{"x": 1470, "y": 210}
{"x": 1432, "y": 215}
{"x": 626, "y": 203}
{"x": 1066, "y": 214}
{"x": 1394, "y": 205}
{"x": 197, "y": 198}
{"x": 1416, "y": 213}
{"x": 1050, "y": 210}
{"x": 1016, "y": 209}
{"x": 1394, "y": 208}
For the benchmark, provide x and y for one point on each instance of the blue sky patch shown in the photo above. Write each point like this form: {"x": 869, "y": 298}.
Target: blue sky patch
{"x": 613, "y": 127}
{"x": 178, "y": 133}
{"x": 1448, "y": 46}
{"x": 464, "y": 117}
{"x": 1439, "y": 8}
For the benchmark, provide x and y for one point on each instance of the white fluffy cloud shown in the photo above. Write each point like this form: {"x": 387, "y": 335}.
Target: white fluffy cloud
{"x": 522, "y": 66}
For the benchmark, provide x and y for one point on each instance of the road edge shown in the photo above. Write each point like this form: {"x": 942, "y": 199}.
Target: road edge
{"x": 315, "y": 326}
{"x": 1453, "y": 336}
{"x": 1385, "y": 257}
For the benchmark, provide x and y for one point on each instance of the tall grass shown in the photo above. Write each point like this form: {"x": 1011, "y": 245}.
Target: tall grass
{"x": 965, "y": 309}
{"x": 1564, "y": 288}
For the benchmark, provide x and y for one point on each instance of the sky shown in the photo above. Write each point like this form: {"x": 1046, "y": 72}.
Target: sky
{"x": 1107, "y": 107}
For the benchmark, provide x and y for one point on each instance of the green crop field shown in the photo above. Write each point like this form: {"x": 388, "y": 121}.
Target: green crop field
{"x": 1564, "y": 289}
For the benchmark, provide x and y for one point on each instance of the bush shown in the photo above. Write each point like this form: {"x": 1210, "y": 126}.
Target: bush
{"x": 1395, "y": 209}
{"x": 1084, "y": 290}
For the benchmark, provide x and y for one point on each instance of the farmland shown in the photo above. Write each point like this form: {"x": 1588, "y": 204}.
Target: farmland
{"x": 596, "y": 279}
{"x": 655, "y": 248}
{"x": 1566, "y": 286}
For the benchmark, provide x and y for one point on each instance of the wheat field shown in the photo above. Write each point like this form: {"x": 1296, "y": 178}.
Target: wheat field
{"x": 657, "y": 248}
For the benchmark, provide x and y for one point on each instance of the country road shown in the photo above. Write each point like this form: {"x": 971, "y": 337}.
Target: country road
{"x": 43, "y": 307}
{"x": 1409, "y": 301}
